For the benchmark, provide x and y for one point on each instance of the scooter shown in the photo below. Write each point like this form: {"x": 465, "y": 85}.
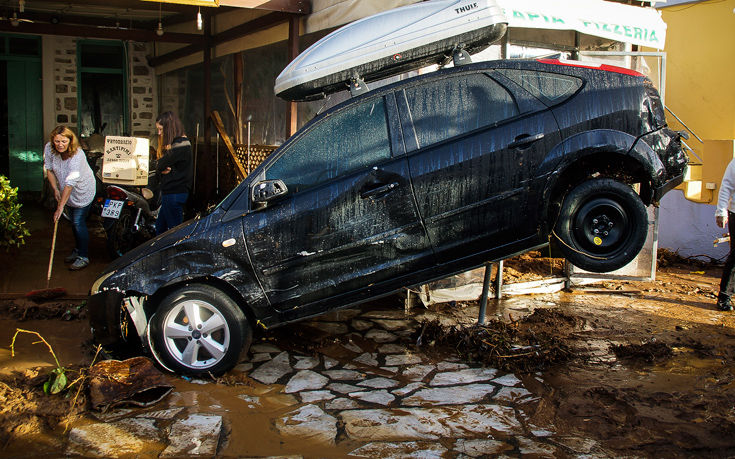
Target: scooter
{"x": 129, "y": 215}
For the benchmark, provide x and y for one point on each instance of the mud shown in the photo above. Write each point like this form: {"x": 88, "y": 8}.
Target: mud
{"x": 533, "y": 343}
{"x": 645, "y": 369}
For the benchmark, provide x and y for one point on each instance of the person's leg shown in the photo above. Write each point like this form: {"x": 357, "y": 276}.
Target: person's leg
{"x": 164, "y": 214}
{"x": 177, "y": 214}
{"x": 81, "y": 235}
{"x": 727, "y": 283}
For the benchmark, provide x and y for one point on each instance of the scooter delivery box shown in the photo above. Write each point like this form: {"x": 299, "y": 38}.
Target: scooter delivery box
{"x": 125, "y": 161}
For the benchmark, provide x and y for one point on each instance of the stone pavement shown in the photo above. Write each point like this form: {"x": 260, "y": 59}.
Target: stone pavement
{"x": 365, "y": 392}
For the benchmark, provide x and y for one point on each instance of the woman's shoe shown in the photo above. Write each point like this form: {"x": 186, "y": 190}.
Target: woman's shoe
{"x": 79, "y": 263}
{"x": 73, "y": 257}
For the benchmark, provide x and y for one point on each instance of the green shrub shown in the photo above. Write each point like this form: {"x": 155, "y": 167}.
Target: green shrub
{"x": 12, "y": 228}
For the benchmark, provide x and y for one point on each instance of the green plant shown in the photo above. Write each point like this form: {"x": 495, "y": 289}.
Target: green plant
{"x": 57, "y": 380}
{"x": 12, "y": 228}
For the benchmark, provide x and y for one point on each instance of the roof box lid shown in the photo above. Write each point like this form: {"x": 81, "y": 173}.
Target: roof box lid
{"x": 391, "y": 43}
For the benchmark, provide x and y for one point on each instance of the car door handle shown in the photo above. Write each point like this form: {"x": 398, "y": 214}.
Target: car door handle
{"x": 378, "y": 191}
{"x": 525, "y": 139}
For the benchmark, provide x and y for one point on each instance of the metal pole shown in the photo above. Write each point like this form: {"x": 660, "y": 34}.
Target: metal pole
{"x": 485, "y": 293}
{"x": 217, "y": 166}
{"x": 248, "y": 147}
{"x": 499, "y": 281}
{"x": 196, "y": 150}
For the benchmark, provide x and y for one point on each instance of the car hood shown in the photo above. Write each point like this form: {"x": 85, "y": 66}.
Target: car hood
{"x": 156, "y": 244}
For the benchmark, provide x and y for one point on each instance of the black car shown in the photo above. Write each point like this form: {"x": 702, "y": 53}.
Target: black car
{"x": 399, "y": 186}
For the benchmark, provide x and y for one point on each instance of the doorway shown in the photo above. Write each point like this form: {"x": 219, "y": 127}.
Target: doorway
{"x": 21, "y": 127}
{"x": 102, "y": 88}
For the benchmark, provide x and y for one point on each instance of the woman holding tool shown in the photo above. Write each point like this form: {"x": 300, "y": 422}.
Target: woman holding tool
{"x": 72, "y": 180}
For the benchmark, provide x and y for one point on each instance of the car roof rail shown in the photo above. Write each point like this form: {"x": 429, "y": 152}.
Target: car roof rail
{"x": 357, "y": 86}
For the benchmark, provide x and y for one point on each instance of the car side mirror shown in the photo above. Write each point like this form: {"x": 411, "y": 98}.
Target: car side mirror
{"x": 268, "y": 190}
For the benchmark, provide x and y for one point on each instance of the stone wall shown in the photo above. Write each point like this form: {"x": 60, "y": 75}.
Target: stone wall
{"x": 142, "y": 93}
{"x": 65, "y": 81}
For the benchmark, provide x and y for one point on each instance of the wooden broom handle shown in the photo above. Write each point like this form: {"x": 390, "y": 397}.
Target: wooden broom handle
{"x": 51, "y": 257}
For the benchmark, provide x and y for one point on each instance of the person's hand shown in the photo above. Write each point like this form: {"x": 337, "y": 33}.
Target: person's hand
{"x": 166, "y": 171}
{"x": 721, "y": 220}
{"x": 57, "y": 195}
{"x": 57, "y": 214}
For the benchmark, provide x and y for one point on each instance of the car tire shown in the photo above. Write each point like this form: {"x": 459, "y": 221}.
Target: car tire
{"x": 120, "y": 237}
{"x": 602, "y": 225}
{"x": 199, "y": 330}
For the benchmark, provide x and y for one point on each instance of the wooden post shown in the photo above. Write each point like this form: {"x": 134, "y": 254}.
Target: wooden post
{"x": 207, "y": 67}
{"x": 238, "y": 69}
{"x": 293, "y": 51}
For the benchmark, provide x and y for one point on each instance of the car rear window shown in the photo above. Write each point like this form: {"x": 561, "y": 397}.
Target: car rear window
{"x": 349, "y": 140}
{"x": 549, "y": 88}
{"x": 456, "y": 105}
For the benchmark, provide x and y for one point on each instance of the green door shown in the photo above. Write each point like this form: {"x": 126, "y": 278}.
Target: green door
{"x": 25, "y": 127}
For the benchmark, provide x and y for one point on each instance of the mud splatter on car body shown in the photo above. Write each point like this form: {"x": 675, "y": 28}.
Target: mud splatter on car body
{"x": 402, "y": 185}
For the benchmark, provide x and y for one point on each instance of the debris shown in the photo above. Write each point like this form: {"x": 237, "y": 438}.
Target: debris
{"x": 650, "y": 352}
{"x": 530, "y": 344}
{"x": 133, "y": 381}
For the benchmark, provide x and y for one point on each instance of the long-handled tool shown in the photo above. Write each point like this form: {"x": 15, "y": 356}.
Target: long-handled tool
{"x": 48, "y": 293}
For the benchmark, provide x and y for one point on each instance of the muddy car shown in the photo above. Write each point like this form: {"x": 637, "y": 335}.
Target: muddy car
{"x": 404, "y": 184}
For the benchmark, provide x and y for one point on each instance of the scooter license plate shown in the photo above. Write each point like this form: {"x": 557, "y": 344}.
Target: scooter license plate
{"x": 112, "y": 208}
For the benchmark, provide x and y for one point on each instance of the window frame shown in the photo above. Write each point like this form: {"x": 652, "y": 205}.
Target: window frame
{"x": 410, "y": 132}
{"x": 390, "y": 125}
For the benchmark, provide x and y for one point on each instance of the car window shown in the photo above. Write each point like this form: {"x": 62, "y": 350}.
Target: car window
{"x": 349, "y": 140}
{"x": 453, "y": 106}
{"x": 550, "y": 88}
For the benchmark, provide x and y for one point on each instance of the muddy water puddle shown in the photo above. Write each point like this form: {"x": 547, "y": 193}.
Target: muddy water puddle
{"x": 66, "y": 338}
{"x": 355, "y": 384}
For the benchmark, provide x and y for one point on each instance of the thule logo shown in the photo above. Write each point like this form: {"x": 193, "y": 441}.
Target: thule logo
{"x": 466, "y": 8}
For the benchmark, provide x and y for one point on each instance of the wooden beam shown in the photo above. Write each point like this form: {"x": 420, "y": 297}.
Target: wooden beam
{"x": 155, "y": 61}
{"x": 256, "y": 25}
{"x": 220, "y": 126}
{"x": 286, "y": 6}
{"x": 98, "y": 32}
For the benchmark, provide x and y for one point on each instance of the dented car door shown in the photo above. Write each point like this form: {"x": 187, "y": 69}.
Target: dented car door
{"x": 348, "y": 221}
{"x": 475, "y": 147}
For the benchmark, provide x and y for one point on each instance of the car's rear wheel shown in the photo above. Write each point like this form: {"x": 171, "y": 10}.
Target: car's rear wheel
{"x": 198, "y": 329}
{"x": 602, "y": 225}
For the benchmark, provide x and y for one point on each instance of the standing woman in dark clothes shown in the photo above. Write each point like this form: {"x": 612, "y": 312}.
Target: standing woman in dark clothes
{"x": 175, "y": 171}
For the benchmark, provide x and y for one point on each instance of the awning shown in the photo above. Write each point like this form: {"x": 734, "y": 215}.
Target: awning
{"x": 630, "y": 24}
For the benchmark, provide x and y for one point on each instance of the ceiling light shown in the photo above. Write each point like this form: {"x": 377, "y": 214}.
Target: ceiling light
{"x": 21, "y": 5}
{"x": 199, "y": 19}
{"x": 159, "y": 30}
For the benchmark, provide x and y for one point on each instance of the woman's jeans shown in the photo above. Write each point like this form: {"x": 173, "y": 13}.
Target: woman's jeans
{"x": 172, "y": 211}
{"x": 727, "y": 283}
{"x": 78, "y": 217}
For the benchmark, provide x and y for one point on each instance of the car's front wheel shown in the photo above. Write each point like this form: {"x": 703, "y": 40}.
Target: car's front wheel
{"x": 198, "y": 329}
{"x": 602, "y": 225}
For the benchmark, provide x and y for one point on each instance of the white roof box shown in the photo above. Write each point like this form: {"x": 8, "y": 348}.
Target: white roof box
{"x": 391, "y": 43}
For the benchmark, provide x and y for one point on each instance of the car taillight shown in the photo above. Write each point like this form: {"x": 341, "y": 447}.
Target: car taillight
{"x": 116, "y": 193}
{"x": 588, "y": 65}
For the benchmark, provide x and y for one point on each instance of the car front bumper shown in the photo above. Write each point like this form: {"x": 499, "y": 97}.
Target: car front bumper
{"x": 105, "y": 313}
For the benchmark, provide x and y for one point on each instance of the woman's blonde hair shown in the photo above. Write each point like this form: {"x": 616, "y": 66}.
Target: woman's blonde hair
{"x": 69, "y": 134}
